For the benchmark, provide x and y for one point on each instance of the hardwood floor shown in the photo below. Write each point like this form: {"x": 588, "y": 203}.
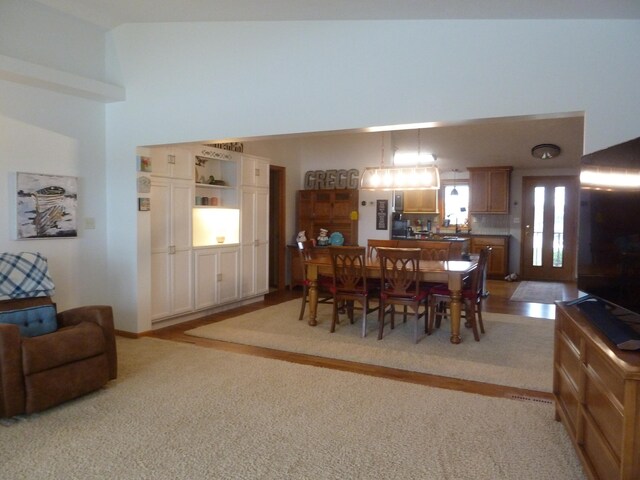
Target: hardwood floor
{"x": 497, "y": 301}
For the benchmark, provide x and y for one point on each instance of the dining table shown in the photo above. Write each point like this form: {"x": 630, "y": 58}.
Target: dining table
{"x": 451, "y": 272}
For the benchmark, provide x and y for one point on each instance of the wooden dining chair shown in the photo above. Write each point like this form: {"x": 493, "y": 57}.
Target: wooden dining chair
{"x": 435, "y": 251}
{"x": 472, "y": 296}
{"x": 324, "y": 283}
{"x": 374, "y": 244}
{"x": 400, "y": 285}
{"x": 350, "y": 284}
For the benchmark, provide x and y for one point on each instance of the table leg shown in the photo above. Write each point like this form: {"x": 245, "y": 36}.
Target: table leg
{"x": 456, "y": 309}
{"x": 455, "y": 287}
{"x": 312, "y": 274}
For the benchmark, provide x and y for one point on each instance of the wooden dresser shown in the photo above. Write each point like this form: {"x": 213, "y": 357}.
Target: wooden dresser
{"x": 597, "y": 392}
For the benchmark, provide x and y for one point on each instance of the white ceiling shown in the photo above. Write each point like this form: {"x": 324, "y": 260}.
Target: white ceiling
{"x": 481, "y": 142}
{"x": 111, "y": 13}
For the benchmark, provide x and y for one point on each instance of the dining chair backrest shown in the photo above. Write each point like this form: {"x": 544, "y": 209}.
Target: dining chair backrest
{"x": 374, "y": 244}
{"x": 349, "y": 269}
{"x": 400, "y": 271}
{"x": 304, "y": 250}
{"x": 435, "y": 251}
{"x": 479, "y": 274}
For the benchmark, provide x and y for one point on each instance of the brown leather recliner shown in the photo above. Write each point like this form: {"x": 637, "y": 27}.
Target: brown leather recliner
{"x": 39, "y": 372}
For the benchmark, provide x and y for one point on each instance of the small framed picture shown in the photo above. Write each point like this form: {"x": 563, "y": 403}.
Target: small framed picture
{"x": 144, "y": 184}
{"x": 144, "y": 204}
{"x": 144, "y": 163}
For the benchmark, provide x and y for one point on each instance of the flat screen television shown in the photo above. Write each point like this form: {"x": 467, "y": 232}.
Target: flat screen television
{"x": 609, "y": 229}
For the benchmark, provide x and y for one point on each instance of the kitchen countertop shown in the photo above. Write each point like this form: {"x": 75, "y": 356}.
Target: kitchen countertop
{"x": 436, "y": 238}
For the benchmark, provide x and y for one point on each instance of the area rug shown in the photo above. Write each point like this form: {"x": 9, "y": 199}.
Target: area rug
{"x": 515, "y": 351}
{"x": 179, "y": 411}
{"x": 538, "y": 292}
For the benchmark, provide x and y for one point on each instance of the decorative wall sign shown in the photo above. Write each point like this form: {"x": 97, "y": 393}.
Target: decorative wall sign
{"x": 143, "y": 163}
{"x": 331, "y": 179}
{"x": 144, "y": 184}
{"x": 144, "y": 204}
{"x": 46, "y": 206}
{"x": 382, "y": 214}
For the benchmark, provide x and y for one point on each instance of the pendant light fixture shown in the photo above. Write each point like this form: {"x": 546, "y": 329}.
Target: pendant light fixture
{"x": 455, "y": 190}
{"x": 407, "y": 177}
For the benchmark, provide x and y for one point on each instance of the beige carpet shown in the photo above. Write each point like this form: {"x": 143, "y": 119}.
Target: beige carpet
{"x": 538, "y": 292}
{"x": 515, "y": 351}
{"x": 179, "y": 411}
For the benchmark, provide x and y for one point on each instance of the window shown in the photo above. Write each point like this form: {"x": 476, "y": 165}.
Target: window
{"x": 456, "y": 207}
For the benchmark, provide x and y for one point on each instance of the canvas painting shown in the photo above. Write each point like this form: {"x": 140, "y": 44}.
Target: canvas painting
{"x": 46, "y": 206}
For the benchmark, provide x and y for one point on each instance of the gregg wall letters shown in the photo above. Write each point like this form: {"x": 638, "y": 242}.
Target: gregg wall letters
{"x": 331, "y": 179}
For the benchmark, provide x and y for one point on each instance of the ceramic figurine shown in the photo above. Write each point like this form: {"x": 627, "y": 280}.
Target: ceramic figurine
{"x": 302, "y": 236}
{"x": 323, "y": 239}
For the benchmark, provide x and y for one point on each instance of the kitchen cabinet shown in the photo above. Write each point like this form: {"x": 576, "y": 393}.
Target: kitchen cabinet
{"x": 597, "y": 396}
{"x": 171, "y": 263}
{"x": 254, "y": 226}
{"x": 217, "y": 279}
{"x": 421, "y": 201}
{"x": 172, "y": 162}
{"x": 335, "y": 210}
{"x": 498, "y": 266}
{"x": 489, "y": 189}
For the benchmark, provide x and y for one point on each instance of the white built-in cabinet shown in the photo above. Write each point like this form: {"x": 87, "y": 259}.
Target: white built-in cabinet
{"x": 172, "y": 162}
{"x": 254, "y": 225}
{"x": 171, "y": 263}
{"x": 197, "y": 261}
{"x": 216, "y": 276}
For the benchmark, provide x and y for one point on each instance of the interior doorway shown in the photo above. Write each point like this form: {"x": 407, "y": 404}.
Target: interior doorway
{"x": 549, "y": 228}
{"x": 277, "y": 216}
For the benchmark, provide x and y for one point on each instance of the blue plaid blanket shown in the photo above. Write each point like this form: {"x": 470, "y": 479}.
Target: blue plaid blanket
{"x": 24, "y": 275}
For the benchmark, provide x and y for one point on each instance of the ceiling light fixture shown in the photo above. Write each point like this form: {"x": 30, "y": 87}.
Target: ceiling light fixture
{"x": 413, "y": 176}
{"x": 545, "y": 151}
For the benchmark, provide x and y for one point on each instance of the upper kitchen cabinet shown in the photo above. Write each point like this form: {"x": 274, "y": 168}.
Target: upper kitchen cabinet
{"x": 489, "y": 189}
{"x": 172, "y": 162}
{"x": 421, "y": 201}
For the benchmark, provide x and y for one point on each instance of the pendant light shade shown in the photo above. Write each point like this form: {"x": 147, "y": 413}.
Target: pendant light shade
{"x": 400, "y": 178}
{"x": 454, "y": 192}
{"x": 411, "y": 175}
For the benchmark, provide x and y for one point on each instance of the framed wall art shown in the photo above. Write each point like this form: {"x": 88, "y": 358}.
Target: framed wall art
{"x": 46, "y": 206}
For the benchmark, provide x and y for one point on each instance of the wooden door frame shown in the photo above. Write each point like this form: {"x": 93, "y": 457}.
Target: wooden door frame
{"x": 282, "y": 204}
{"x": 572, "y": 230}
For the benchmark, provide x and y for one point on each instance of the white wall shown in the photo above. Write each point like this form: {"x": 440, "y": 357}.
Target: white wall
{"x": 193, "y": 81}
{"x": 43, "y": 132}
{"x": 46, "y": 132}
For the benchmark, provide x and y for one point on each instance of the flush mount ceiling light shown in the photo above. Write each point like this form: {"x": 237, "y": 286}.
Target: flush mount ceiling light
{"x": 545, "y": 151}
{"x": 408, "y": 173}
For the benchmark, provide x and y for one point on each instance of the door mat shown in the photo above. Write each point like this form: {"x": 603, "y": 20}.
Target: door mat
{"x": 538, "y": 292}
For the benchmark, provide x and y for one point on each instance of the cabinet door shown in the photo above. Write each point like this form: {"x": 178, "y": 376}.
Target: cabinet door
{"x": 227, "y": 276}
{"x": 160, "y": 165}
{"x": 342, "y": 205}
{"x": 206, "y": 268}
{"x": 255, "y": 171}
{"x": 499, "y": 191}
{"x": 182, "y": 194}
{"x": 421, "y": 201}
{"x": 478, "y": 191}
{"x": 160, "y": 285}
{"x": 182, "y": 286}
{"x": 182, "y": 163}
{"x": 322, "y": 206}
{"x": 160, "y": 216}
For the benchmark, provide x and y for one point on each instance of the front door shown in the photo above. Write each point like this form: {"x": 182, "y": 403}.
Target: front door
{"x": 549, "y": 228}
